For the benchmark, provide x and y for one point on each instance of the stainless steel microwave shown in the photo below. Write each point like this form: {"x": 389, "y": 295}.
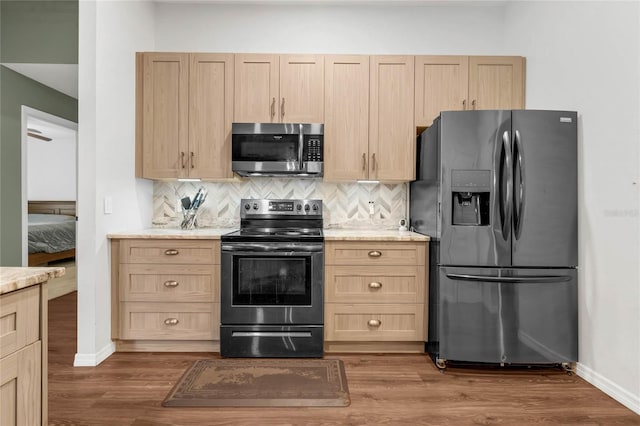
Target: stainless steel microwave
{"x": 277, "y": 149}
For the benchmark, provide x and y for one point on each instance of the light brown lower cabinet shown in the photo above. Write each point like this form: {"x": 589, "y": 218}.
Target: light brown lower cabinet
{"x": 166, "y": 295}
{"x": 23, "y": 357}
{"x": 375, "y": 296}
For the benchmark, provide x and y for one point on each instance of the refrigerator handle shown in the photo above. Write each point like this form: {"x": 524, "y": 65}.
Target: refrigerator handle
{"x": 519, "y": 190}
{"x": 506, "y": 199}
{"x": 521, "y": 280}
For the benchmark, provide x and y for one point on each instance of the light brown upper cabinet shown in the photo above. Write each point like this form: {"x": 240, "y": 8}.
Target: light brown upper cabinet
{"x": 279, "y": 88}
{"x": 184, "y": 115}
{"x": 457, "y": 83}
{"x": 392, "y": 133}
{"x": 346, "y": 125}
{"x": 369, "y": 125}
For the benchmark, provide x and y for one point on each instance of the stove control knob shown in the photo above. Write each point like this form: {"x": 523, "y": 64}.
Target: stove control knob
{"x": 247, "y": 206}
{"x": 255, "y": 206}
{"x": 298, "y": 207}
{"x": 306, "y": 207}
{"x": 315, "y": 207}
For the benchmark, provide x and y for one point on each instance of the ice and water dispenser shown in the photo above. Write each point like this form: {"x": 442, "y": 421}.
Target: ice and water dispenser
{"x": 470, "y": 192}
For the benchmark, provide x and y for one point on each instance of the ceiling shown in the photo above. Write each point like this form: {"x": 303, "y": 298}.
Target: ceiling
{"x": 54, "y": 131}
{"x": 61, "y": 77}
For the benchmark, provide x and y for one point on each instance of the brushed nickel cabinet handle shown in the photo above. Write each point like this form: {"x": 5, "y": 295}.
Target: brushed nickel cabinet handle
{"x": 464, "y": 104}
{"x": 364, "y": 161}
{"x": 171, "y": 283}
{"x": 374, "y": 323}
{"x": 182, "y": 158}
{"x": 473, "y": 104}
{"x": 273, "y": 107}
{"x": 375, "y": 253}
{"x": 373, "y": 162}
{"x": 171, "y": 252}
{"x": 375, "y": 285}
{"x": 193, "y": 161}
{"x": 171, "y": 321}
{"x": 282, "y": 109}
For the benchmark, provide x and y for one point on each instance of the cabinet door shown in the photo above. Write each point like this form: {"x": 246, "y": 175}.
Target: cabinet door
{"x": 256, "y": 89}
{"x": 496, "y": 82}
{"x": 301, "y": 89}
{"x": 165, "y": 115}
{"x": 20, "y": 387}
{"x": 441, "y": 85}
{"x": 392, "y": 136}
{"x": 210, "y": 115}
{"x": 346, "y": 125}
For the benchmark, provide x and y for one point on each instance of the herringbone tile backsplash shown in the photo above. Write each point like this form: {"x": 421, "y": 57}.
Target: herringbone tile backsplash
{"x": 345, "y": 204}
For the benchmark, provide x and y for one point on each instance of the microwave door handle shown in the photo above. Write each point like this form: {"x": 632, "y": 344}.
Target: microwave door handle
{"x": 300, "y": 146}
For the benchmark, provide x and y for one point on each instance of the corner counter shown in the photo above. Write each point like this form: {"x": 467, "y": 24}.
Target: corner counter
{"x": 23, "y": 344}
{"x": 354, "y": 234}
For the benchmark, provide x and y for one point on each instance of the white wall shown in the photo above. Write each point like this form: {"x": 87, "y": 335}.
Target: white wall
{"x": 371, "y": 29}
{"x": 586, "y": 57}
{"x": 110, "y": 33}
{"x": 51, "y": 171}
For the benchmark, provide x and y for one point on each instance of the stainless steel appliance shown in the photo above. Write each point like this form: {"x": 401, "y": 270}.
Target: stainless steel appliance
{"x": 497, "y": 191}
{"x": 272, "y": 287}
{"x": 277, "y": 149}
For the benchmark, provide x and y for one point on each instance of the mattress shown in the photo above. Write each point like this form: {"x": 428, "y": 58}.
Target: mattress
{"x": 51, "y": 233}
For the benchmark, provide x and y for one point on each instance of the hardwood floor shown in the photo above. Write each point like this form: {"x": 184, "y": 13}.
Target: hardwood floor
{"x": 127, "y": 389}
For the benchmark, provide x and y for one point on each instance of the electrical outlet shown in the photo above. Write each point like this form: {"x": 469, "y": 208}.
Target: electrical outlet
{"x": 372, "y": 208}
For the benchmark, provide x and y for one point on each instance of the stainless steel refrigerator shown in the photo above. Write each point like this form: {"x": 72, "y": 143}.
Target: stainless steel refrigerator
{"x": 497, "y": 192}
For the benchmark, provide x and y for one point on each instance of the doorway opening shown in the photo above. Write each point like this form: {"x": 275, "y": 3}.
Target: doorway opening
{"x": 49, "y": 195}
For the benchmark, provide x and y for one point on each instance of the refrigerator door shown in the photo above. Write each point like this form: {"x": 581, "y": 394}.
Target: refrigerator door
{"x": 520, "y": 316}
{"x": 545, "y": 217}
{"x": 476, "y": 188}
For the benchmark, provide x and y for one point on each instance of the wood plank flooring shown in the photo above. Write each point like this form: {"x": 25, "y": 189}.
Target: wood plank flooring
{"x": 127, "y": 389}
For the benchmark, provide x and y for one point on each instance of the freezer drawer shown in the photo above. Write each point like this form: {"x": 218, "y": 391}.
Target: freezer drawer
{"x": 508, "y": 315}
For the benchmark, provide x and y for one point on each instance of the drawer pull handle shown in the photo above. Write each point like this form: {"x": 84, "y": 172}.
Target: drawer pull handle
{"x": 375, "y": 285}
{"x": 374, "y": 323}
{"x": 375, "y": 253}
{"x": 171, "y": 283}
{"x": 171, "y": 321}
{"x": 171, "y": 252}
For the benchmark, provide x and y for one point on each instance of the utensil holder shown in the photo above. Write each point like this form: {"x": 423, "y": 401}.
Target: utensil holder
{"x": 190, "y": 219}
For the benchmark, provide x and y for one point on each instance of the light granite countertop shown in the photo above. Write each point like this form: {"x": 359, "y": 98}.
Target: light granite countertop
{"x": 161, "y": 233}
{"x": 216, "y": 233}
{"x": 372, "y": 235}
{"x": 16, "y": 278}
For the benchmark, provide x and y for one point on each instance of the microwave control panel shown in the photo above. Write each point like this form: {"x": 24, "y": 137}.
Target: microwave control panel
{"x": 313, "y": 147}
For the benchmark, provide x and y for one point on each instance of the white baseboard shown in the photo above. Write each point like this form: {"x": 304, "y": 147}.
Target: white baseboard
{"x": 621, "y": 395}
{"x": 91, "y": 360}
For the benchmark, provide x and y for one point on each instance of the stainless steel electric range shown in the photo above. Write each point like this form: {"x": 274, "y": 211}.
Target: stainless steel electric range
{"x": 272, "y": 285}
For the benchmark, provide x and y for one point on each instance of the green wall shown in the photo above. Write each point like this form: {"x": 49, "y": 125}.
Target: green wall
{"x": 41, "y": 32}
{"x": 30, "y": 32}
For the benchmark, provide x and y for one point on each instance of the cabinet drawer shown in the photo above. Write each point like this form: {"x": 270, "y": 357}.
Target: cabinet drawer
{"x": 169, "y": 283}
{"x": 19, "y": 319}
{"x": 347, "y": 322}
{"x": 375, "y": 284}
{"x": 170, "y": 251}
{"x": 374, "y": 253}
{"x": 170, "y": 321}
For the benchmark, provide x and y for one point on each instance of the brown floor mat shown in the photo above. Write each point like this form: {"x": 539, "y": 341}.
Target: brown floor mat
{"x": 261, "y": 382}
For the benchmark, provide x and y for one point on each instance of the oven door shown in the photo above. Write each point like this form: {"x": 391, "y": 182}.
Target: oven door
{"x": 272, "y": 283}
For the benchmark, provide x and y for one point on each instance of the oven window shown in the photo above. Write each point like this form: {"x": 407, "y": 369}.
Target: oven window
{"x": 265, "y": 148}
{"x": 271, "y": 280}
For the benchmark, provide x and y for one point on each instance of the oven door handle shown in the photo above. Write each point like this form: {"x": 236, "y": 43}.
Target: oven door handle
{"x": 281, "y": 248}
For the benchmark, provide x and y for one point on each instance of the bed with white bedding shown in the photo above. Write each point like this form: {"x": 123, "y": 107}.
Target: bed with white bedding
{"x": 52, "y": 231}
